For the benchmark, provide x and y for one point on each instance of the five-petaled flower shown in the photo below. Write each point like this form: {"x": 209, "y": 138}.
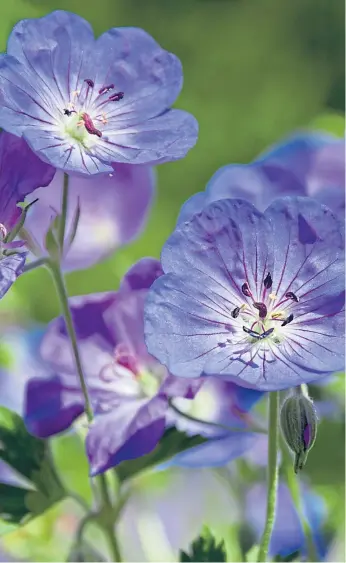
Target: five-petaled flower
{"x": 130, "y": 391}
{"x": 21, "y": 172}
{"x": 304, "y": 164}
{"x": 82, "y": 103}
{"x": 256, "y": 298}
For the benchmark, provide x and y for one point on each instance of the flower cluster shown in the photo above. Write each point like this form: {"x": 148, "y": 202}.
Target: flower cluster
{"x": 247, "y": 298}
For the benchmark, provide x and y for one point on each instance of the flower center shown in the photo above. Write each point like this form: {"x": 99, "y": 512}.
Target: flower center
{"x": 128, "y": 377}
{"x": 87, "y": 113}
{"x": 263, "y": 319}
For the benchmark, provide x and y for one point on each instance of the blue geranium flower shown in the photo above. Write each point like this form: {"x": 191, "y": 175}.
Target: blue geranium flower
{"x": 255, "y": 298}
{"x": 83, "y": 103}
{"x": 304, "y": 164}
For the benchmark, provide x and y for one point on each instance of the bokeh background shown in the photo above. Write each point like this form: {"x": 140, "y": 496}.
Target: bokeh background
{"x": 254, "y": 71}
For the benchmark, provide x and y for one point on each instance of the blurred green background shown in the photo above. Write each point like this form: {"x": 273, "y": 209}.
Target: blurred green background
{"x": 254, "y": 71}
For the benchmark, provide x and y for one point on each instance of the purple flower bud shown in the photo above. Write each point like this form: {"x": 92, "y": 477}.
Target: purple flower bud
{"x": 299, "y": 426}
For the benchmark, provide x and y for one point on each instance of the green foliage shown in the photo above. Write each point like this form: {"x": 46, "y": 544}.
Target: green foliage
{"x": 172, "y": 443}
{"x": 205, "y": 548}
{"x": 29, "y": 457}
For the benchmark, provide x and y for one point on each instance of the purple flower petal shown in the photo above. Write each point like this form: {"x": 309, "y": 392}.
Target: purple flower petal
{"x": 142, "y": 274}
{"x": 10, "y": 268}
{"x": 150, "y": 77}
{"x": 217, "y": 451}
{"x": 166, "y": 137}
{"x": 131, "y": 430}
{"x": 21, "y": 173}
{"x": 113, "y": 212}
{"x": 216, "y": 264}
{"x": 52, "y": 405}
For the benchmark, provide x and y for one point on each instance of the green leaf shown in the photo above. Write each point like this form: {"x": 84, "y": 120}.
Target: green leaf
{"x": 205, "y": 548}
{"x": 13, "y": 508}
{"x": 30, "y": 458}
{"x": 172, "y": 443}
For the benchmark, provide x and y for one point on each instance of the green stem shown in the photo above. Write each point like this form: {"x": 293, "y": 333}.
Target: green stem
{"x": 63, "y": 298}
{"x": 273, "y": 435}
{"x": 249, "y": 428}
{"x": 62, "y": 224}
{"x": 35, "y": 264}
{"x": 106, "y": 518}
{"x": 293, "y": 485}
{"x": 108, "y": 525}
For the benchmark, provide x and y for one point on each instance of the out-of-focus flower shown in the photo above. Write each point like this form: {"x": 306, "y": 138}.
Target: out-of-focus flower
{"x": 113, "y": 210}
{"x": 220, "y": 403}
{"x": 167, "y": 510}
{"x": 306, "y": 164}
{"x": 84, "y": 103}
{"x": 21, "y": 172}
{"x": 288, "y": 536}
{"x": 129, "y": 389}
{"x": 255, "y": 298}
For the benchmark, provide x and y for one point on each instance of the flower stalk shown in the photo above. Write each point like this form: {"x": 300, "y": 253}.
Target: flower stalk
{"x": 273, "y": 438}
{"x": 106, "y": 517}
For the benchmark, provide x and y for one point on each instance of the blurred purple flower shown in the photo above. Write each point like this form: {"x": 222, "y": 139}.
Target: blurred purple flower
{"x": 305, "y": 164}
{"x": 256, "y": 298}
{"x": 217, "y": 402}
{"x": 113, "y": 211}
{"x": 129, "y": 389}
{"x": 83, "y": 104}
{"x": 288, "y": 536}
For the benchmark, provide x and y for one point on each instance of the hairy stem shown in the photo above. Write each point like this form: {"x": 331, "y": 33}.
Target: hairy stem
{"x": 65, "y": 309}
{"x": 108, "y": 526}
{"x": 62, "y": 224}
{"x": 106, "y": 519}
{"x": 273, "y": 436}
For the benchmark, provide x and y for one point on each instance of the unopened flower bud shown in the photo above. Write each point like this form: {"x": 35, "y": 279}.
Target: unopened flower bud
{"x": 299, "y": 426}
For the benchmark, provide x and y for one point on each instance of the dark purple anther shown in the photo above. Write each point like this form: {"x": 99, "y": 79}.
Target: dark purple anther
{"x": 266, "y": 333}
{"x": 69, "y": 112}
{"x": 268, "y": 282}
{"x": 235, "y": 312}
{"x": 89, "y": 82}
{"x": 291, "y": 295}
{"x": 262, "y": 309}
{"x": 246, "y": 290}
{"x": 116, "y": 97}
{"x": 288, "y": 320}
{"x": 106, "y": 89}
{"x": 252, "y": 333}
